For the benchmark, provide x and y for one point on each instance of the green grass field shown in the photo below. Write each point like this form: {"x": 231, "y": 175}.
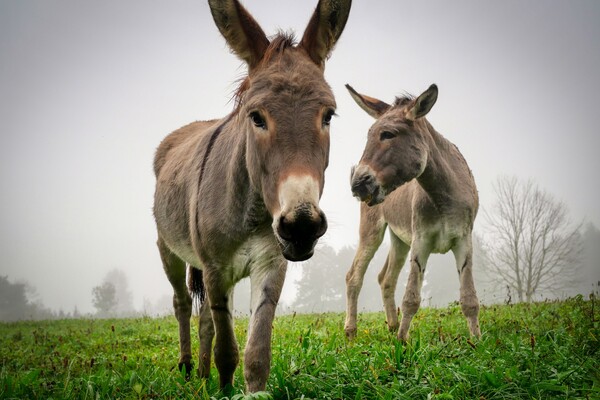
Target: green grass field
{"x": 545, "y": 350}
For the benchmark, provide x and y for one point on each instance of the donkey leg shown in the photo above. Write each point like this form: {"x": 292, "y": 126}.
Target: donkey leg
{"x": 206, "y": 334}
{"x": 388, "y": 279}
{"x": 226, "y": 347}
{"x": 412, "y": 295}
{"x": 175, "y": 270}
{"x": 371, "y": 235}
{"x": 266, "y": 289}
{"x": 469, "y": 303}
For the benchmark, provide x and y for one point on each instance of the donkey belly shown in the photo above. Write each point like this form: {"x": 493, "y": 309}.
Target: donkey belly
{"x": 185, "y": 251}
{"x": 176, "y": 188}
{"x": 178, "y": 240}
{"x": 171, "y": 211}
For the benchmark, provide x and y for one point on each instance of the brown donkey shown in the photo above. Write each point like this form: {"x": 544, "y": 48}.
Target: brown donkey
{"x": 416, "y": 182}
{"x": 238, "y": 196}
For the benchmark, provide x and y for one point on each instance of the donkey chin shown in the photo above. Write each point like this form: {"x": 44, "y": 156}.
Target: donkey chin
{"x": 299, "y": 232}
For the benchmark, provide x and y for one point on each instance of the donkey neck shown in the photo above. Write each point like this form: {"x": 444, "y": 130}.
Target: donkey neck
{"x": 243, "y": 197}
{"x": 235, "y": 207}
{"x": 442, "y": 175}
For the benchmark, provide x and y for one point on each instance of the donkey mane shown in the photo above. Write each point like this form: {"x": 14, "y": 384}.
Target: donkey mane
{"x": 279, "y": 43}
{"x": 404, "y": 99}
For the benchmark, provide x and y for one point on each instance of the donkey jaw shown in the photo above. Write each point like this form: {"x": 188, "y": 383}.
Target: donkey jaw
{"x": 375, "y": 198}
{"x": 295, "y": 251}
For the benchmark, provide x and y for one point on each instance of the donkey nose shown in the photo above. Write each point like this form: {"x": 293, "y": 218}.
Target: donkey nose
{"x": 302, "y": 225}
{"x": 363, "y": 185}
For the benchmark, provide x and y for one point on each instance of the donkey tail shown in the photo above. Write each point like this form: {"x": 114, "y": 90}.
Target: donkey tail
{"x": 196, "y": 284}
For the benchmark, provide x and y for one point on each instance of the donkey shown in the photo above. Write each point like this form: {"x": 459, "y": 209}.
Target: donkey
{"x": 238, "y": 196}
{"x": 413, "y": 180}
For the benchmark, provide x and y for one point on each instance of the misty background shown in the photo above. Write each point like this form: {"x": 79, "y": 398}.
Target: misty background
{"x": 89, "y": 89}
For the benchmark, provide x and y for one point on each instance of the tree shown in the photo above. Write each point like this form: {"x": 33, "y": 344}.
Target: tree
{"x": 13, "y": 300}
{"x": 19, "y": 301}
{"x": 532, "y": 246}
{"x": 113, "y": 296}
{"x": 104, "y": 298}
{"x": 123, "y": 296}
{"x": 591, "y": 261}
{"x": 321, "y": 287}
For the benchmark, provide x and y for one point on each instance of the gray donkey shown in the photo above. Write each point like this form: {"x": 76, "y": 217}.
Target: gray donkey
{"x": 416, "y": 182}
{"x": 238, "y": 196}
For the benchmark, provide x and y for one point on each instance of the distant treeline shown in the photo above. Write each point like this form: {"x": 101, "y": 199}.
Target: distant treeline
{"x": 321, "y": 287}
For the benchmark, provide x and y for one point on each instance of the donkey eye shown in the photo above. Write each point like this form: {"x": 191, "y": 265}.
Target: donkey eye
{"x": 385, "y": 135}
{"x": 327, "y": 117}
{"x": 258, "y": 120}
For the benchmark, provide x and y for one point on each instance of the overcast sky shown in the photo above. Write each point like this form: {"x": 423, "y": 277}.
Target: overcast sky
{"x": 88, "y": 89}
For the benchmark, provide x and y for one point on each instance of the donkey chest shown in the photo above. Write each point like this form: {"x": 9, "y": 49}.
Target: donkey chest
{"x": 439, "y": 236}
{"x": 442, "y": 236}
{"x": 257, "y": 252}
{"x": 438, "y": 227}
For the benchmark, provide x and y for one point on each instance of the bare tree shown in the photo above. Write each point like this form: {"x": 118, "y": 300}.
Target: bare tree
{"x": 532, "y": 247}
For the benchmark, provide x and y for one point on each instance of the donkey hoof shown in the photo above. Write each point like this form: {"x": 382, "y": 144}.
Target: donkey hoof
{"x": 403, "y": 337}
{"x": 227, "y": 389}
{"x": 203, "y": 373}
{"x": 476, "y": 332}
{"x": 186, "y": 367}
{"x": 350, "y": 333}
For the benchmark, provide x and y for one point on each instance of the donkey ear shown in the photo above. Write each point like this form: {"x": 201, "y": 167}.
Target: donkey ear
{"x": 324, "y": 28}
{"x": 242, "y": 33}
{"x": 423, "y": 103}
{"x": 375, "y": 108}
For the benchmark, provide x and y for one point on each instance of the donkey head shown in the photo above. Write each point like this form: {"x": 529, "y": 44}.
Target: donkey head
{"x": 285, "y": 108}
{"x": 396, "y": 150}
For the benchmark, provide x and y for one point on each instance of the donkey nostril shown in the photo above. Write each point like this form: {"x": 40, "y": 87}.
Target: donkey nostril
{"x": 322, "y": 225}
{"x": 364, "y": 187}
{"x": 303, "y": 227}
{"x": 284, "y": 229}
{"x": 360, "y": 183}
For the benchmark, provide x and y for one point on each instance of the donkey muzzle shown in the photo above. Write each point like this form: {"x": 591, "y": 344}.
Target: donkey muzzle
{"x": 365, "y": 187}
{"x": 299, "y": 230}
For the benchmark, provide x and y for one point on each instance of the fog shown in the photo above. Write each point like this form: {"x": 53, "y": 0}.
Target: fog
{"x": 89, "y": 89}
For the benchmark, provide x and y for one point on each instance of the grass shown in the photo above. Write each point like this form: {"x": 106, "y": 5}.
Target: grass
{"x": 547, "y": 350}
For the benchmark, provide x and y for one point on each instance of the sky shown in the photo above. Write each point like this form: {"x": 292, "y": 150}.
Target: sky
{"x": 89, "y": 89}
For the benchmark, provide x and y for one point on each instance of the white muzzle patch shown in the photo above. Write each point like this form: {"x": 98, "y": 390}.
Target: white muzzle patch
{"x": 297, "y": 190}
